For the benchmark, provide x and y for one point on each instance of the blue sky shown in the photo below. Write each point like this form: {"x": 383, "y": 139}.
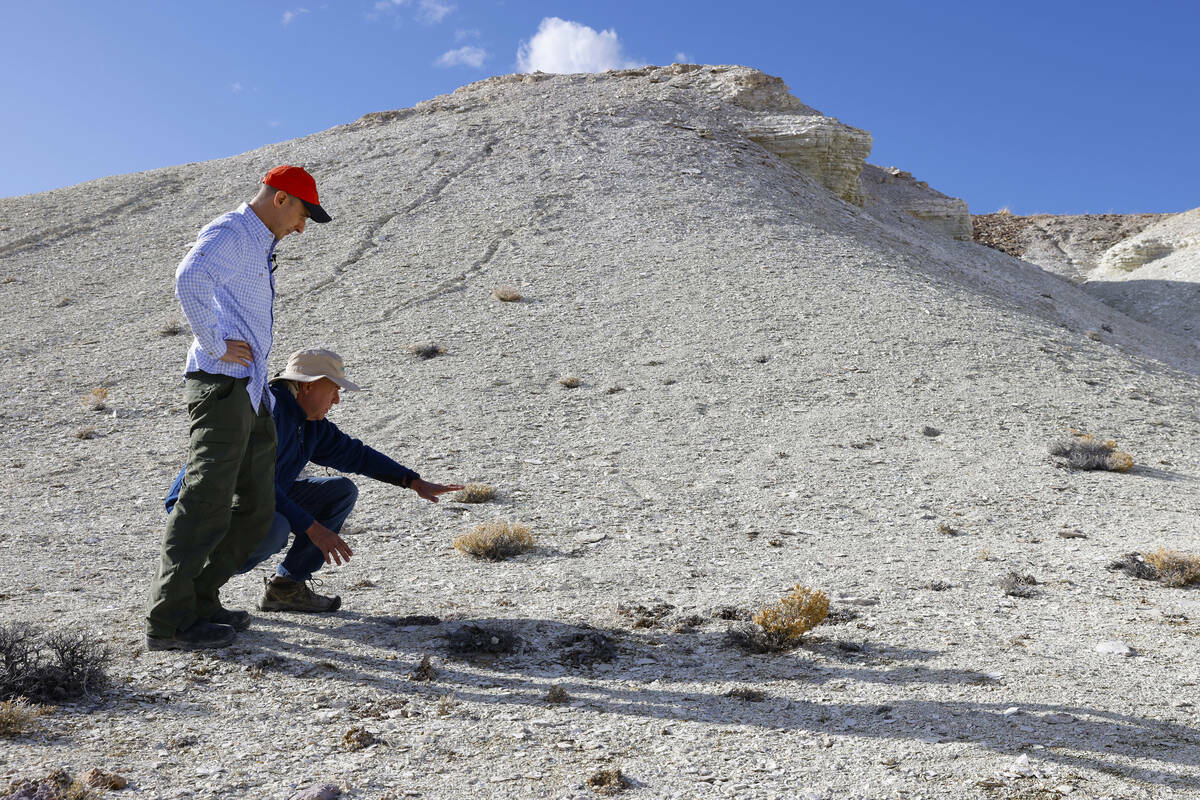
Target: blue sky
{"x": 1055, "y": 107}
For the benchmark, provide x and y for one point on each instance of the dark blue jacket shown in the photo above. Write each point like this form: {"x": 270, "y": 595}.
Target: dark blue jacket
{"x": 302, "y": 440}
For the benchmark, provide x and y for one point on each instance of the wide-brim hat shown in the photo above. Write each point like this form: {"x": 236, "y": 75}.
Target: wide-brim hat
{"x": 299, "y": 184}
{"x": 313, "y": 364}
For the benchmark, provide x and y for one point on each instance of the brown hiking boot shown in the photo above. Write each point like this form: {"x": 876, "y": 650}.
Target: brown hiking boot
{"x": 283, "y": 594}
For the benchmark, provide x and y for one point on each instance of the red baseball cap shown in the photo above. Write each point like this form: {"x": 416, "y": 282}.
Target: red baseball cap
{"x": 299, "y": 184}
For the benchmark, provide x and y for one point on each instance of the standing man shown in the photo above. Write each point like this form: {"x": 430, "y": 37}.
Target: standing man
{"x": 227, "y": 499}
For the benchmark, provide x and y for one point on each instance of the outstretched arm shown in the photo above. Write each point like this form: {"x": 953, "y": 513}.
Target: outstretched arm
{"x": 430, "y": 491}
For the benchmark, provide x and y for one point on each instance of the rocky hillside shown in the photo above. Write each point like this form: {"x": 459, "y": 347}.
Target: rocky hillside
{"x": 1146, "y": 265}
{"x": 791, "y": 368}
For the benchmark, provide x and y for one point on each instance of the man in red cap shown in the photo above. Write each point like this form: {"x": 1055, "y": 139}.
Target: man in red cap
{"x": 226, "y": 287}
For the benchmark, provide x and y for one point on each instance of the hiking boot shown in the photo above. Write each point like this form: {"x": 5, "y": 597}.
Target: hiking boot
{"x": 238, "y": 620}
{"x": 199, "y": 636}
{"x": 284, "y": 594}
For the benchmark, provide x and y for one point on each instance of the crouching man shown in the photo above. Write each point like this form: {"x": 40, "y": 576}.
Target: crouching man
{"x": 311, "y": 510}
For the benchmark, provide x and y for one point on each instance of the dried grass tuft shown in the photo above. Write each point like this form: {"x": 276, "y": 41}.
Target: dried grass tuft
{"x": 476, "y": 493}
{"x": 18, "y": 717}
{"x": 506, "y": 294}
{"x": 557, "y": 695}
{"x": 426, "y": 350}
{"x": 1089, "y": 453}
{"x": 495, "y": 540}
{"x": 423, "y": 672}
{"x": 171, "y": 328}
{"x": 1174, "y": 567}
{"x": 86, "y": 432}
{"x": 97, "y": 399}
{"x": 608, "y": 781}
{"x": 570, "y": 381}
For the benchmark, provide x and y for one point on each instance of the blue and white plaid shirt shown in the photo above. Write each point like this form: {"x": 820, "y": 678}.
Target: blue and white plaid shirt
{"x": 227, "y": 291}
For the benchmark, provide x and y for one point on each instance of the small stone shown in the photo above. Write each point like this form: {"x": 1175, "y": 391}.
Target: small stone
{"x": 1008, "y": 712}
{"x": 1114, "y": 648}
{"x": 99, "y": 779}
{"x": 326, "y": 791}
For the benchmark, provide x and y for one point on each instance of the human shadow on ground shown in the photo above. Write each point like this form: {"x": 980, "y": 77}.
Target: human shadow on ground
{"x": 669, "y": 672}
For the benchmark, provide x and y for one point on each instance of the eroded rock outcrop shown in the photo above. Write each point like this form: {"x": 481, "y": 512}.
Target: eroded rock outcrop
{"x": 1173, "y": 242}
{"x": 900, "y": 189}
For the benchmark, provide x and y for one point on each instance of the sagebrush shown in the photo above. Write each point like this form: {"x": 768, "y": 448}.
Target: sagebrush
{"x": 495, "y": 540}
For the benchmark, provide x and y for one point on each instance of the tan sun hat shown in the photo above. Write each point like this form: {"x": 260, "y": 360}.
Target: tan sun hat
{"x": 313, "y": 364}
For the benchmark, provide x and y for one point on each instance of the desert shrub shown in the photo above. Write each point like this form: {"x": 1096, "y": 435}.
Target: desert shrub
{"x": 506, "y": 294}
{"x": 358, "y": 738}
{"x": 18, "y": 717}
{"x": 608, "y": 781}
{"x": 476, "y": 493}
{"x": 747, "y": 693}
{"x": 171, "y": 328}
{"x": 1174, "y": 568}
{"x": 796, "y": 613}
{"x": 1018, "y": 585}
{"x": 557, "y": 695}
{"x": 86, "y": 432}
{"x": 426, "y": 350}
{"x": 570, "y": 381}
{"x": 1089, "y": 453}
{"x": 495, "y": 540}
{"x": 424, "y": 671}
{"x": 586, "y": 648}
{"x": 97, "y": 399}
{"x": 50, "y": 666}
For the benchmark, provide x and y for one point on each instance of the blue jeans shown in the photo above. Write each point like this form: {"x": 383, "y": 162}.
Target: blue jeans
{"x": 330, "y": 500}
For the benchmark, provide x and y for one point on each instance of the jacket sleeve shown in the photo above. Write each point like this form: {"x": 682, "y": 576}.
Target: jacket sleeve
{"x": 197, "y": 278}
{"x": 339, "y": 451}
{"x": 297, "y": 517}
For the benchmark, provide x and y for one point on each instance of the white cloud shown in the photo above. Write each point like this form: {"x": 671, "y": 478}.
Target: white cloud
{"x": 683, "y": 58}
{"x": 434, "y": 11}
{"x": 429, "y": 12}
{"x": 288, "y": 16}
{"x": 469, "y": 56}
{"x": 562, "y": 46}
{"x": 236, "y": 86}
{"x": 461, "y": 34}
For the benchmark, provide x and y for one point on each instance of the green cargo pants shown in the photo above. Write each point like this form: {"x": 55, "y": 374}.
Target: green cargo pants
{"x": 225, "y": 506}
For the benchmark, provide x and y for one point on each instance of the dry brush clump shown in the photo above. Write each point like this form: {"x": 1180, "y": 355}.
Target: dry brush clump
{"x": 475, "y": 493}
{"x": 608, "y": 781}
{"x": 1084, "y": 451}
{"x": 97, "y": 399}
{"x": 780, "y": 626}
{"x": 50, "y": 666}
{"x": 506, "y": 294}
{"x": 1171, "y": 567}
{"x": 18, "y": 717}
{"x": 495, "y": 540}
{"x": 426, "y": 350}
